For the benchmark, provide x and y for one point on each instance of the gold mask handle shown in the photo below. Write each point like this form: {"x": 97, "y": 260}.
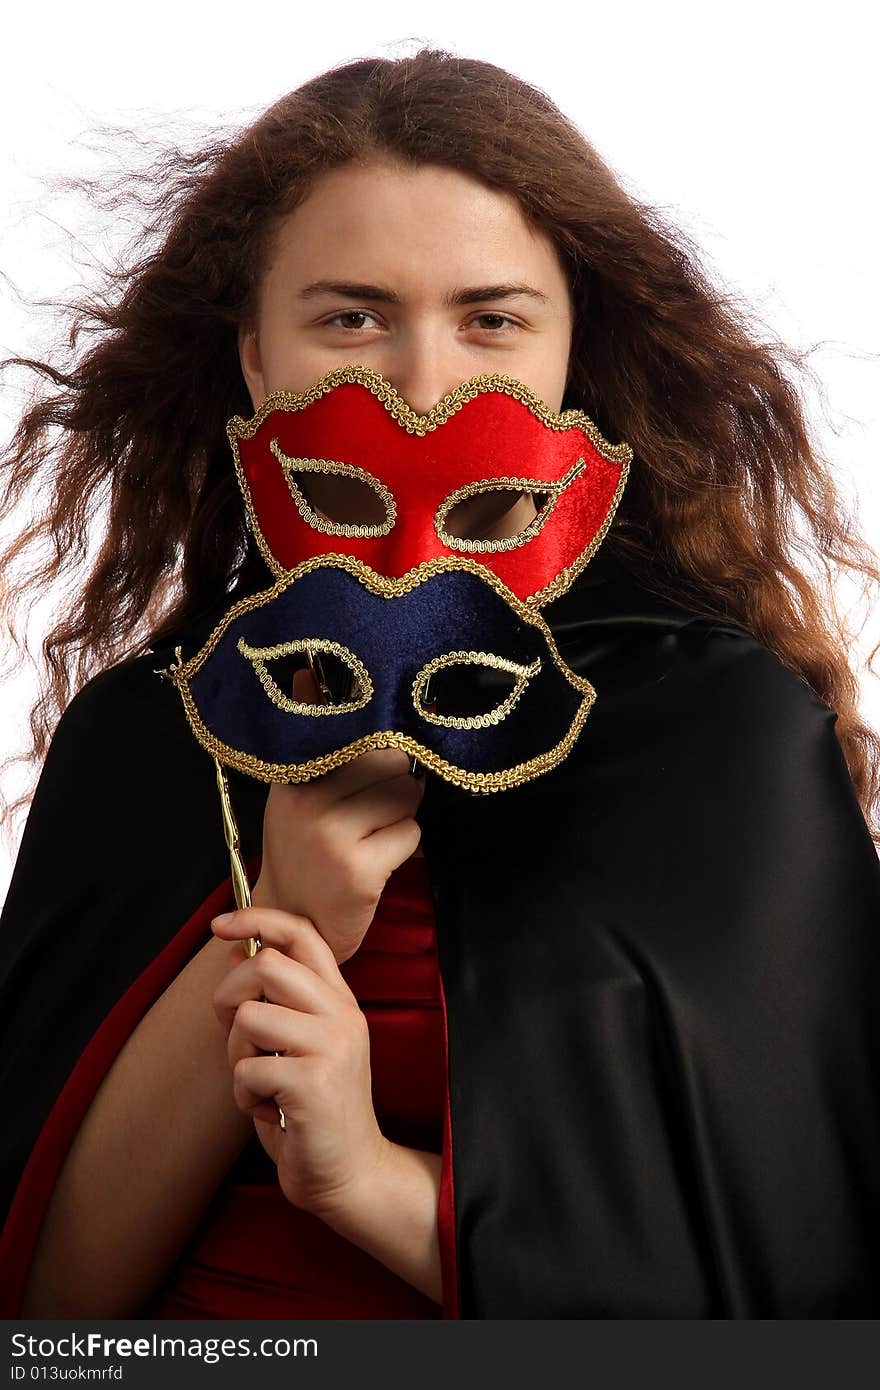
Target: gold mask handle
{"x": 240, "y": 886}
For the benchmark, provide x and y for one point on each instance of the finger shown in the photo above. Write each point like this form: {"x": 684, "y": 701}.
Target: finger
{"x": 262, "y": 1027}
{"x": 325, "y": 790}
{"x": 275, "y": 978}
{"x": 258, "y": 1079}
{"x": 389, "y": 847}
{"x": 266, "y": 1117}
{"x": 379, "y": 805}
{"x": 288, "y": 932}
{"x": 367, "y": 769}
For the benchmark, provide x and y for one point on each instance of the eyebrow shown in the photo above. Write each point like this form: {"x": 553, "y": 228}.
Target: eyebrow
{"x": 476, "y": 294}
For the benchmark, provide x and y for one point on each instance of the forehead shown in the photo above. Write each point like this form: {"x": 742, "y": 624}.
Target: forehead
{"x": 419, "y": 229}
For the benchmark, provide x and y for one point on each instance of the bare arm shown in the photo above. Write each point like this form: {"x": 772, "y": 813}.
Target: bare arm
{"x": 152, "y": 1150}
{"x": 393, "y": 1216}
{"x": 149, "y": 1157}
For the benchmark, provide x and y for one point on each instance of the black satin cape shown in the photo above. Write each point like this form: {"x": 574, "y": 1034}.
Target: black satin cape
{"x": 660, "y": 966}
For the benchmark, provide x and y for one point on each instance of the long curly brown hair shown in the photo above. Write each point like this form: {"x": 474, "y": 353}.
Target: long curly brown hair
{"x": 128, "y": 432}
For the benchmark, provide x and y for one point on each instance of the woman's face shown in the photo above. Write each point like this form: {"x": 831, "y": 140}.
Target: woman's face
{"x": 423, "y": 274}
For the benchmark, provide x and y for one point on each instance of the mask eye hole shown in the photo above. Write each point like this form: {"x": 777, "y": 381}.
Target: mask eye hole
{"x": 484, "y": 516}
{"x": 343, "y": 678}
{"x": 470, "y": 690}
{"x": 338, "y": 499}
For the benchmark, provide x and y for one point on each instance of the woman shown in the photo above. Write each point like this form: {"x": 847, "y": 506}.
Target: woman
{"x": 636, "y": 1077}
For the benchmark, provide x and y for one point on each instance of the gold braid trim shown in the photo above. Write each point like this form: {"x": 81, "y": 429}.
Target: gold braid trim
{"x": 473, "y": 721}
{"x": 304, "y": 772}
{"x": 239, "y": 428}
{"x": 478, "y": 547}
{"x": 180, "y": 673}
{"x": 449, "y": 405}
{"x": 386, "y": 588}
{"x": 351, "y": 530}
{"x": 566, "y": 576}
{"x": 258, "y": 656}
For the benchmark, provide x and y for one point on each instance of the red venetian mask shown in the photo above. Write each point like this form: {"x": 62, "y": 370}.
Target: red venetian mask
{"x": 412, "y": 476}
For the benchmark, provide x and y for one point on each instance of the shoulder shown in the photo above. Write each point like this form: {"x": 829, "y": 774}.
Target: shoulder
{"x": 638, "y": 639}
{"x": 735, "y": 677}
{"x": 761, "y": 747}
{"x": 770, "y": 729}
{"x": 126, "y": 727}
{"x": 125, "y": 782}
{"x": 119, "y": 765}
{"x": 130, "y": 703}
{"x": 698, "y": 719}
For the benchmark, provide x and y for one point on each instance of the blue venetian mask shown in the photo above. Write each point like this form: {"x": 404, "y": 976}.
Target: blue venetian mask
{"x": 448, "y": 667}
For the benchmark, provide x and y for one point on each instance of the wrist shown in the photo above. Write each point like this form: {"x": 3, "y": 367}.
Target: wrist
{"x": 264, "y": 894}
{"x": 347, "y": 1208}
{"x": 391, "y": 1212}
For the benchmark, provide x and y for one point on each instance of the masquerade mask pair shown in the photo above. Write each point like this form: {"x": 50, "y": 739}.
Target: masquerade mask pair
{"x": 380, "y": 527}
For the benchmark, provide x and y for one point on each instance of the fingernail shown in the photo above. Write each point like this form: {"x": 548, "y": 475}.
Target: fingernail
{"x": 222, "y": 920}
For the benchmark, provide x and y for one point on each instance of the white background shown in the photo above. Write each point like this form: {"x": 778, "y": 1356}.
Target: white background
{"x": 754, "y": 126}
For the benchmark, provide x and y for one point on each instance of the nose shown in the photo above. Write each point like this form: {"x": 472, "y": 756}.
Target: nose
{"x": 423, "y": 371}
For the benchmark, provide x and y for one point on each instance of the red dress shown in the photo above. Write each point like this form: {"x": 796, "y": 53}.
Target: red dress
{"x": 257, "y": 1256}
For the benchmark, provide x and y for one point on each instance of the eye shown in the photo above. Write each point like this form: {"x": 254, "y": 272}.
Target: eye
{"x": 343, "y": 677}
{"x": 470, "y": 690}
{"x": 338, "y": 499}
{"x": 498, "y": 319}
{"x": 480, "y": 517}
{"x": 349, "y": 314}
